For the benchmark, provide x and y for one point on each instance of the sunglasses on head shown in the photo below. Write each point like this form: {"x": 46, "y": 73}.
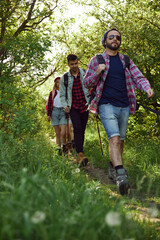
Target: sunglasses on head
{"x": 114, "y": 36}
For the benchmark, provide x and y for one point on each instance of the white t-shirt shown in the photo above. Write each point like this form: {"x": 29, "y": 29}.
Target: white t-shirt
{"x": 57, "y": 101}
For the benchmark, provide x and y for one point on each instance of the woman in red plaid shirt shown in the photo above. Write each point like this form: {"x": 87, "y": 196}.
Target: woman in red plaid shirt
{"x": 57, "y": 116}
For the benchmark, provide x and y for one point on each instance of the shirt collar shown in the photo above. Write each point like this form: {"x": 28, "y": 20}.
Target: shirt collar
{"x": 105, "y": 55}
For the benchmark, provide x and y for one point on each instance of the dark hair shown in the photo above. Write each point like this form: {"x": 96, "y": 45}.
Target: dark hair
{"x": 72, "y": 57}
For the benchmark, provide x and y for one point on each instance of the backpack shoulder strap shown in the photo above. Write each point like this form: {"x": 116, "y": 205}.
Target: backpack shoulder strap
{"x": 84, "y": 71}
{"x": 66, "y": 84}
{"x": 100, "y": 59}
{"x": 127, "y": 61}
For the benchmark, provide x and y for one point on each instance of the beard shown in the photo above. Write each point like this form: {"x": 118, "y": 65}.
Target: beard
{"x": 108, "y": 45}
{"x": 74, "y": 70}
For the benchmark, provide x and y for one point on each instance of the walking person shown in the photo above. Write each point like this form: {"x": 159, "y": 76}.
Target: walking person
{"x": 115, "y": 99}
{"x": 74, "y": 99}
{"x": 57, "y": 116}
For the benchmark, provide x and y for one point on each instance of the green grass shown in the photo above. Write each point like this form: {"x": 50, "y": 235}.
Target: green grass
{"x": 140, "y": 157}
{"x": 45, "y": 196}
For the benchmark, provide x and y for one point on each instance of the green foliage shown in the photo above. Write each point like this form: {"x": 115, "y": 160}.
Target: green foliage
{"x": 44, "y": 196}
{"x": 144, "y": 123}
{"x": 21, "y": 111}
{"x": 28, "y": 57}
{"x": 138, "y": 22}
{"x": 23, "y": 47}
{"x": 140, "y": 157}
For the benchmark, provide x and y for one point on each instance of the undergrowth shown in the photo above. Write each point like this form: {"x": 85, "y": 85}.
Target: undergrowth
{"x": 45, "y": 196}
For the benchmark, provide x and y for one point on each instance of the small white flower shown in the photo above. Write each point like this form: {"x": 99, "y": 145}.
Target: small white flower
{"x": 153, "y": 211}
{"x": 38, "y": 217}
{"x": 98, "y": 187}
{"x": 113, "y": 219}
{"x": 77, "y": 170}
{"x": 24, "y": 170}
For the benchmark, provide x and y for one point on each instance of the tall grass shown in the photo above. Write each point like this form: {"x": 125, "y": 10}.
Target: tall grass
{"x": 141, "y": 157}
{"x": 45, "y": 196}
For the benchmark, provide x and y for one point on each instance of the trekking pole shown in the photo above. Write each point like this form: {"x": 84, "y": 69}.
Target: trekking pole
{"x": 69, "y": 144}
{"x": 67, "y": 116}
{"x": 99, "y": 135}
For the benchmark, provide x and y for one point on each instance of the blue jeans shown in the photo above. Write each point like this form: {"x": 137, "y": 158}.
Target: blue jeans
{"x": 114, "y": 120}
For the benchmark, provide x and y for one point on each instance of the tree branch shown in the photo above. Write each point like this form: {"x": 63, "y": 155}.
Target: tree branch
{"x": 41, "y": 20}
{"x": 40, "y": 82}
{"x": 151, "y": 22}
{"x": 23, "y": 25}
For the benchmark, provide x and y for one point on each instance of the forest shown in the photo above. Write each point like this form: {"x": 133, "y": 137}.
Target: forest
{"x": 46, "y": 196}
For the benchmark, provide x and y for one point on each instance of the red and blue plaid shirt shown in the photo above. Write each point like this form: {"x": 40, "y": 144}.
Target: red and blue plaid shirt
{"x": 50, "y": 102}
{"x": 78, "y": 98}
{"x": 134, "y": 78}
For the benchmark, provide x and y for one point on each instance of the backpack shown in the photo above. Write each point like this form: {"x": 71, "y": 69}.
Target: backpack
{"x": 101, "y": 60}
{"x": 66, "y": 84}
{"x": 46, "y": 106}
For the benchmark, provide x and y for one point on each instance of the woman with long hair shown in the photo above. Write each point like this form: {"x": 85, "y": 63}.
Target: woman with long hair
{"x": 57, "y": 116}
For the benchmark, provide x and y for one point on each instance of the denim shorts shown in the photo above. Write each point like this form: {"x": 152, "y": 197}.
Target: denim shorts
{"x": 114, "y": 120}
{"x": 58, "y": 117}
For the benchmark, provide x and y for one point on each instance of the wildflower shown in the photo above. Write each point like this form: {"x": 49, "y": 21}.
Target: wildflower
{"x": 24, "y": 170}
{"x": 98, "y": 187}
{"x": 38, "y": 217}
{"x": 77, "y": 170}
{"x": 113, "y": 219}
{"x": 153, "y": 211}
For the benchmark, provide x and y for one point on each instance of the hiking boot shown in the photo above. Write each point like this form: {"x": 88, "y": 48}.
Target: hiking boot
{"x": 59, "y": 151}
{"x": 73, "y": 144}
{"x": 64, "y": 148}
{"x": 81, "y": 160}
{"x": 111, "y": 172}
{"x": 122, "y": 181}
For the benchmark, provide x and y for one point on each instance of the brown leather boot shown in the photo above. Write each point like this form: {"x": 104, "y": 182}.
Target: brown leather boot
{"x": 81, "y": 159}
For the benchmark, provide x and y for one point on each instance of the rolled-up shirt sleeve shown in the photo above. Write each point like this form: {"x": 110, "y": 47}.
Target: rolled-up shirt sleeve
{"x": 91, "y": 78}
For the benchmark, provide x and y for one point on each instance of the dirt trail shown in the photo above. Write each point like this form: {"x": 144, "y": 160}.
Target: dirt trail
{"x": 101, "y": 175}
{"x": 97, "y": 174}
{"x": 142, "y": 213}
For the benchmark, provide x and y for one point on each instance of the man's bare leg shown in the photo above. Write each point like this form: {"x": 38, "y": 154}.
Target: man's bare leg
{"x": 116, "y": 150}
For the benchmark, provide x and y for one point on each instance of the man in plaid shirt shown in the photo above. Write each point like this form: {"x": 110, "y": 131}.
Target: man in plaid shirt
{"x": 115, "y": 99}
{"x": 75, "y": 104}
